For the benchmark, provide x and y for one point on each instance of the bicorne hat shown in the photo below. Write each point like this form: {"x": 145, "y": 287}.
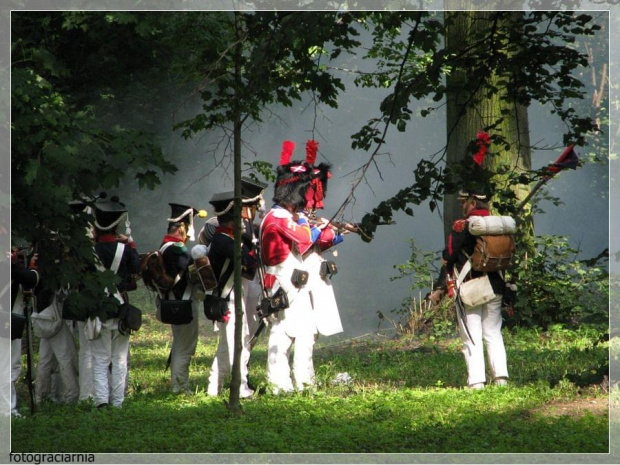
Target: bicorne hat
{"x": 109, "y": 213}
{"x": 185, "y": 214}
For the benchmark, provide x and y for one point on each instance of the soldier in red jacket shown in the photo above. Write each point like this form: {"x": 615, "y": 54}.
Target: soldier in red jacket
{"x": 285, "y": 235}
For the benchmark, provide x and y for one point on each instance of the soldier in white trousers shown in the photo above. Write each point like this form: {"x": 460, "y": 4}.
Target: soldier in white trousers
{"x": 285, "y": 235}
{"x": 221, "y": 255}
{"x": 23, "y": 278}
{"x": 109, "y": 346}
{"x": 484, "y": 322}
{"x": 176, "y": 259}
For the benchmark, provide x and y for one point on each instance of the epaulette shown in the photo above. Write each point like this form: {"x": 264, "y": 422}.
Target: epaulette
{"x": 459, "y": 226}
{"x": 179, "y": 247}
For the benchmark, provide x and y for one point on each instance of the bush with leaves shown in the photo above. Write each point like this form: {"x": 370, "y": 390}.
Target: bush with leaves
{"x": 556, "y": 287}
{"x": 416, "y": 314}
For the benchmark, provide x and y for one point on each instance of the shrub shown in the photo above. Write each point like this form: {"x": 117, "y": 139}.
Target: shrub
{"x": 416, "y": 315}
{"x": 556, "y": 287}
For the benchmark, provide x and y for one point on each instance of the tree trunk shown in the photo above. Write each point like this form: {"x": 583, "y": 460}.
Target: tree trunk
{"x": 472, "y": 108}
{"x": 234, "y": 404}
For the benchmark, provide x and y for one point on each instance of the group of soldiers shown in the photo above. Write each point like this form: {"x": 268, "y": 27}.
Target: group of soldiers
{"x": 285, "y": 280}
{"x": 286, "y": 287}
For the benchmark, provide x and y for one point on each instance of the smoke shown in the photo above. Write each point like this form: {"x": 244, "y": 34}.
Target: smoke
{"x": 363, "y": 284}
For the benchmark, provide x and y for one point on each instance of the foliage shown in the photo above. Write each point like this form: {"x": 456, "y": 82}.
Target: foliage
{"x": 63, "y": 64}
{"x": 555, "y": 287}
{"x": 534, "y": 59}
{"x": 417, "y": 315}
{"x": 403, "y": 398}
{"x": 263, "y": 168}
{"x": 278, "y": 64}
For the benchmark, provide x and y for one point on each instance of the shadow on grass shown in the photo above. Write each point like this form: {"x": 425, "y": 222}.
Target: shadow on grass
{"x": 401, "y": 401}
{"x": 407, "y": 421}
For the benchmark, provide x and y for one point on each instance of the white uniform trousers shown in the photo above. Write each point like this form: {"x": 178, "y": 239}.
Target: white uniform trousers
{"x": 252, "y": 296}
{"x": 58, "y": 351}
{"x": 278, "y": 369}
{"x": 223, "y": 361}
{"x": 16, "y": 369}
{"x": 184, "y": 341}
{"x": 85, "y": 361}
{"x": 485, "y": 324}
{"x": 111, "y": 347}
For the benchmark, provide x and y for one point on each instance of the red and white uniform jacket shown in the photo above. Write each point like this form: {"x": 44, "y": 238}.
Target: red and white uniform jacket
{"x": 280, "y": 236}
{"x": 283, "y": 241}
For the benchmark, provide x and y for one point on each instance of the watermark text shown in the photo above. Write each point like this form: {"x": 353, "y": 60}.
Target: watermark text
{"x": 51, "y": 458}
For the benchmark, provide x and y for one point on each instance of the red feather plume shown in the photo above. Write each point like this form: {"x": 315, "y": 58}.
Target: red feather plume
{"x": 311, "y": 149}
{"x": 287, "y": 152}
{"x": 483, "y": 140}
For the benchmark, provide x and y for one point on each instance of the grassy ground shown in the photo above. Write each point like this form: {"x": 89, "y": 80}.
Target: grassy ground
{"x": 405, "y": 396}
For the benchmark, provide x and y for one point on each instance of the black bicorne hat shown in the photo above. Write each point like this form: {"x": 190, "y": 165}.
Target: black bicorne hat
{"x": 77, "y": 206}
{"x": 109, "y": 213}
{"x": 185, "y": 214}
{"x": 476, "y": 193}
{"x": 181, "y": 213}
{"x": 251, "y": 194}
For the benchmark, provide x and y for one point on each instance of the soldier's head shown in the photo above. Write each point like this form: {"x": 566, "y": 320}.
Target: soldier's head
{"x": 292, "y": 180}
{"x": 473, "y": 199}
{"x": 179, "y": 229}
{"x": 251, "y": 198}
{"x": 108, "y": 215}
{"x": 181, "y": 220}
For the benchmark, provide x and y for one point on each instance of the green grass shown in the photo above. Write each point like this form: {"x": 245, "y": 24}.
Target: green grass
{"x": 406, "y": 397}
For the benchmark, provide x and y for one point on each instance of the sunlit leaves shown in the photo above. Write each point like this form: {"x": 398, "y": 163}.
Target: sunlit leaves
{"x": 522, "y": 57}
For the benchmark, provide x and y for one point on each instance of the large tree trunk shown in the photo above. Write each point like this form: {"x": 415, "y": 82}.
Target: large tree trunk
{"x": 472, "y": 108}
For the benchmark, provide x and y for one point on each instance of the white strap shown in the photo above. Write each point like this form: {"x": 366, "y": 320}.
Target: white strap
{"x": 188, "y": 291}
{"x": 165, "y": 246}
{"x": 463, "y": 273}
{"x": 18, "y": 306}
{"x": 120, "y": 249}
{"x": 118, "y": 255}
{"x": 229, "y": 284}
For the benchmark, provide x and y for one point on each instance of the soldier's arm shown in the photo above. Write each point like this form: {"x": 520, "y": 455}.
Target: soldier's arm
{"x": 298, "y": 232}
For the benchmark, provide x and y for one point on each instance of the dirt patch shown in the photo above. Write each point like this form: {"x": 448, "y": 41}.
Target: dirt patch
{"x": 598, "y": 406}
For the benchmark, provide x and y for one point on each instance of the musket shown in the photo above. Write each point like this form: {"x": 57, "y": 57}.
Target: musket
{"x": 461, "y": 314}
{"x": 261, "y": 277}
{"x": 338, "y": 226}
{"x": 568, "y": 159}
{"x": 28, "y": 308}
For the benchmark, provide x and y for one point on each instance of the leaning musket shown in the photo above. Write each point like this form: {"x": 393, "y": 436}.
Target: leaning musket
{"x": 28, "y": 308}
{"x": 261, "y": 277}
